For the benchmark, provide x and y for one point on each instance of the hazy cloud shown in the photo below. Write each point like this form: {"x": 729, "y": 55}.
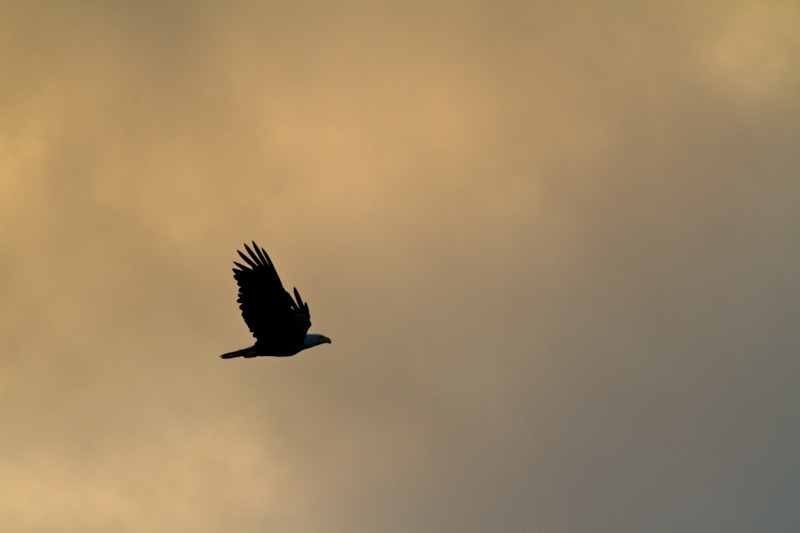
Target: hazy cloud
{"x": 555, "y": 248}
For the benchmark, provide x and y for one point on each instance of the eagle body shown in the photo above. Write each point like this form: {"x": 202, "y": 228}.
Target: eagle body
{"x": 278, "y": 322}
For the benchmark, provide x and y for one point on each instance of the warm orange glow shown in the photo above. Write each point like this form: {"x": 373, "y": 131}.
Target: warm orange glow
{"x": 555, "y": 247}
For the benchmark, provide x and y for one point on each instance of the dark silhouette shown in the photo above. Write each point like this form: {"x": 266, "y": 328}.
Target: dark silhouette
{"x": 277, "y": 321}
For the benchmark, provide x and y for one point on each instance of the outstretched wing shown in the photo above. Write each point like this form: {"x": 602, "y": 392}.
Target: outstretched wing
{"x": 270, "y": 312}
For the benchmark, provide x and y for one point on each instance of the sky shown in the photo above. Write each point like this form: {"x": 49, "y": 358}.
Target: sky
{"x": 556, "y": 246}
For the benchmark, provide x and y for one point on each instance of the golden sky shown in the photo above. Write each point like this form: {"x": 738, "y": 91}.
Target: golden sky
{"x": 556, "y": 246}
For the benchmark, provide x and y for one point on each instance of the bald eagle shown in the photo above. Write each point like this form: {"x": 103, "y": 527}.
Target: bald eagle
{"x": 277, "y": 321}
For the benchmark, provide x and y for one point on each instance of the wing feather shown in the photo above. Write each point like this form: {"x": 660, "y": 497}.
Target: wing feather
{"x": 261, "y": 254}
{"x": 247, "y": 259}
{"x": 301, "y": 305}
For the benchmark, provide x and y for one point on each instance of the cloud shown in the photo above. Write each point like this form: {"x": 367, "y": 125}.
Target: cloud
{"x": 553, "y": 247}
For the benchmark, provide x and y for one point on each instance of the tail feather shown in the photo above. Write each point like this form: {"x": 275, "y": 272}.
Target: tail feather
{"x": 246, "y": 352}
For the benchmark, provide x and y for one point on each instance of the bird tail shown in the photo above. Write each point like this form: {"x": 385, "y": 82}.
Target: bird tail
{"x": 246, "y": 352}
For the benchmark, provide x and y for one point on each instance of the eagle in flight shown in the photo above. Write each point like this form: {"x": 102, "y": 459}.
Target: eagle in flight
{"x": 277, "y": 321}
